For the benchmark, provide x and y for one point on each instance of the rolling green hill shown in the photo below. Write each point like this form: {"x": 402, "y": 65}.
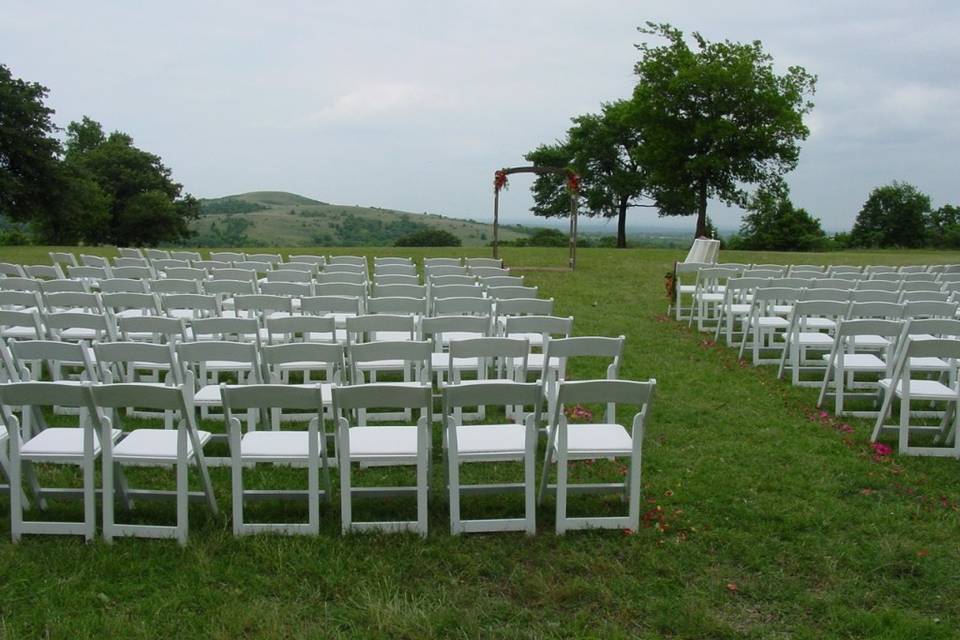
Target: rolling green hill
{"x": 276, "y": 218}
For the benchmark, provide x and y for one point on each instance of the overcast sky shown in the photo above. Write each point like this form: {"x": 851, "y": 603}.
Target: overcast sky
{"x": 413, "y": 105}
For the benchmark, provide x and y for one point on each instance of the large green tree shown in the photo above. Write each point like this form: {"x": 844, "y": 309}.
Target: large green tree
{"x": 29, "y": 174}
{"x": 894, "y": 215}
{"x": 714, "y": 118}
{"x": 943, "y": 227}
{"x": 601, "y": 148}
{"x": 773, "y": 223}
{"x": 145, "y": 205}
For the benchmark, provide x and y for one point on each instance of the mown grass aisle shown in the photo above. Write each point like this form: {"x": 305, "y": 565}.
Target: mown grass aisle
{"x": 763, "y": 519}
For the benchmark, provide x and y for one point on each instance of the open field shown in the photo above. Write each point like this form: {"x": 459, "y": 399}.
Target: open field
{"x": 763, "y": 520}
{"x": 290, "y": 219}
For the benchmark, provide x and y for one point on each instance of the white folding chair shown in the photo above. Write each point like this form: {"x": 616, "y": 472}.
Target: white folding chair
{"x": 510, "y": 441}
{"x": 288, "y": 447}
{"x": 903, "y": 386}
{"x": 441, "y": 330}
{"x": 584, "y": 349}
{"x": 767, "y": 321}
{"x": 812, "y": 325}
{"x": 850, "y": 356}
{"x": 608, "y": 439}
{"x": 408, "y": 360}
{"x": 394, "y": 445}
{"x": 149, "y": 447}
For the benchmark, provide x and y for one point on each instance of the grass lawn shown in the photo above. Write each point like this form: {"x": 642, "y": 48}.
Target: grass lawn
{"x": 762, "y": 520}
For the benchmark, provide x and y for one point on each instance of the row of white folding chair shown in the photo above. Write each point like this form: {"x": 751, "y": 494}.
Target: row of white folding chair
{"x": 715, "y": 303}
{"x": 738, "y": 296}
{"x": 104, "y": 320}
{"x": 771, "y": 307}
{"x": 402, "y": 445}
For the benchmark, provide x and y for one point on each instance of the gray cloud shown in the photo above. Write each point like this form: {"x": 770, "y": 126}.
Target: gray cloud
{"x": 413, "y": 105}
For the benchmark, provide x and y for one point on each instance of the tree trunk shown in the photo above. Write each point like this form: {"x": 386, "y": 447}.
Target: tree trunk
{"x": 702, "y": 209}
{"x": 622, "y": 225}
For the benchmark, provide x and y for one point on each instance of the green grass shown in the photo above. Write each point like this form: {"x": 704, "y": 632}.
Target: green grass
{"x": 759, "y": 522}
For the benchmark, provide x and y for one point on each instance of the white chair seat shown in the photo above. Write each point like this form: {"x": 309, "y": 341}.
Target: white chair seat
{"x": 391, "y": 336}
{"x": 535, "y": 362}
{"x": 820, "y": 323}
{"x": 59, "y": 442}
{"x": 924, "y": 390}
{"x": 78, "y": 333}
{"x": 535, "y": 339}
{"x": 381, "y": 365}
{"x": 491, "y": 439}
{"x": 687, "y": 288}
{"x": 710, "y": 297}
{"x": 440, "y": 361}
{"x": 814, "y": 339}
{"x": 227, "y": 365}
{"x": 20, "y": 333}
{"x": 153, "y": 444}
{"x": 130, "y": 313}
{"x": 597, "y": 440}
{"x": 783, "y": 309}
{"x": 770, "y": 322}
{"x": 208, "y": 395}
{"x": 326, "y": 393}
{"x": 273, "y": 445}
{"x": 739, "y": 309}
{"x": 383, "y": 442}
{"x": 861, "y": 362}
{"x": 870, "y": 342}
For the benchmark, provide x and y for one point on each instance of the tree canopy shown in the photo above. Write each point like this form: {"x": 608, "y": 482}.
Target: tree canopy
{"x": 773, "y": 223}
{"x": 600, "y": 148}
{"x": 29, "y": 173}
{"x": 713, "y": 119}
{"x": 894, "y": 215}
{"x": 96, "y": 188}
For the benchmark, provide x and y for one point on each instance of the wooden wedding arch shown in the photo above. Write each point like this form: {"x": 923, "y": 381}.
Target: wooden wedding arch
{"x": 573, "y": 187}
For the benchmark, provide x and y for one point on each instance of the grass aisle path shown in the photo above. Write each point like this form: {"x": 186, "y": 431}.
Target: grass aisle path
{"x": 760, "y": 522}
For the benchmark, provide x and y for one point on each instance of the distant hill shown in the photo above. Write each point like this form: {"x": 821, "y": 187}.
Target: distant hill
{"x": 277, "y": 218}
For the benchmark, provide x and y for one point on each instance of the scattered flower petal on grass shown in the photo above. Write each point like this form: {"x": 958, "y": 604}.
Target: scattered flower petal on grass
{"x": 881, "y": 449}
{"x": 732, "y": 587}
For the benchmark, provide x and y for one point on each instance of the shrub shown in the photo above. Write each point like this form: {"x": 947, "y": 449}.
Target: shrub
{"x": 429, "y": 238}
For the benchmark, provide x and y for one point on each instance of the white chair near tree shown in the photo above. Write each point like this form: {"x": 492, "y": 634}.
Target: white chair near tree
{"x": 394, "y": 445}
{"x": 607, "y": 439}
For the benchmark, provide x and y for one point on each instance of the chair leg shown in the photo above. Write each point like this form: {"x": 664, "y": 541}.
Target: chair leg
{"x": 453, "y": 475}
{"x": 544, "y": 475}
{"x": 16, "y": 491}
{"x": 237, "y": 490}
{"x": 346, "y": 493}
{"x": 108, "y": 490}
{"x": 529, "y": 489}
{"x": 561, "y": 492}
{"x": 423, "y": 466}
{"x": 89, "y": 501}
{"x": 183, "y": 466}
{"x": 313, "y": 497}
{"x": 633, "y": 496}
